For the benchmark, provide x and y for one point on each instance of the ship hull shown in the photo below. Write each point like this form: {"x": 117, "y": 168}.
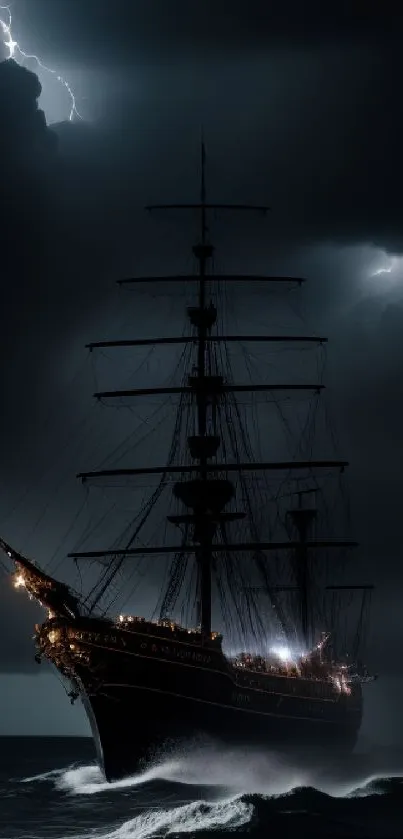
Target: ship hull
{"x": 132, "y": 725}
{"x": 144, "y": 694}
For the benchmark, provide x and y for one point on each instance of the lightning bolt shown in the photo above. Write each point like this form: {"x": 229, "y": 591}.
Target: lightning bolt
{"x": 387, "y": 269}
{"x": 15, "y": 49}
{"x": 382, "y": 271}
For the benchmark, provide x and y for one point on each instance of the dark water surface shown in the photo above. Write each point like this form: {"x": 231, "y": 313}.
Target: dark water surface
{"x": 51, "y": 788}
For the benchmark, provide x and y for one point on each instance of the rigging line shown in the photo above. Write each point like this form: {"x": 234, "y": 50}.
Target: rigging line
{"x": 144, "y": 363}
{"x": 166, "y": 578}
{"x": 245, "y": 490}
{"x": 113, "y": 570}
{"x": 194, "y": 587}
{"x": 232, "y": 630}
{"x": 330, "y": 427}
{"x": 282, "y": 418}
{"x": 254, "y": 619}
{"x": 233, "y": 589}
{"x": 78, "y": 569}
{"x": 91, "y": 527}
{"x": 103, "y": 431}
{"x": 296, "y": 308}
{"x": 221, "y": 598}
{"x": 103, "y": 517}
{"x": 179, "y": 565}
{"x": 110, "y": 572}
{"x": 131, "y": 374}
{"x": 138, "y": 442}
{"x": 136, "y": 571}
{"x": 44, "y": 511}
{"x": 252, "y": 526}
{"x": 168, "y": 600}
{"x": 195, "y": 615}
{"x": 68, "y": 531}
{"x": 255, "y": 420}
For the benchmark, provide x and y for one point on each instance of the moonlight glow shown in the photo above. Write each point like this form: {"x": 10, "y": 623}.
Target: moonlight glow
{"x": 16, "y": 52}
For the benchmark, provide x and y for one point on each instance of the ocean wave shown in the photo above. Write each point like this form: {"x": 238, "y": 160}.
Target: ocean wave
{"x": 203, "y": 788}
{"x": 242, "y": 772}
{"x": 189, "y": 818}
{"x": 43, "y": 776}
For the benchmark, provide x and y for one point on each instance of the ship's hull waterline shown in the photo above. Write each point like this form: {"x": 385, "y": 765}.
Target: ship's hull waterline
{"x": 143, "y": 695}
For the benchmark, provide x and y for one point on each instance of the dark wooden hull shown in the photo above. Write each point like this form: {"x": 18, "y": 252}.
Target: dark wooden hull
{"x": 132, "y": 724}
{"x": 143, "y": 693}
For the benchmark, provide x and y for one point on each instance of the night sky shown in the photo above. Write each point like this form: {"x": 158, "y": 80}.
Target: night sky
{"x": 301, "y": 109}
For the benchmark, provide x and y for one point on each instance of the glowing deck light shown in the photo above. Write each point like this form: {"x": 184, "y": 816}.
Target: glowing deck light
{"x": 19, "y": 581}
{"x": 283, "y": 653}
{"x": 15, "y": 50}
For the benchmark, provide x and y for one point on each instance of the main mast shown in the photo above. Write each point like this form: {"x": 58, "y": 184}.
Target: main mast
{"x": 205, "y": 496}
{"x": 203, "y": 319}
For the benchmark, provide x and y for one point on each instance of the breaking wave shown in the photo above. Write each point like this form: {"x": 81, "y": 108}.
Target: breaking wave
{"x": 208, "y": 788}
{"x": 244, "y": 773}
{"x": 189, "y": 818}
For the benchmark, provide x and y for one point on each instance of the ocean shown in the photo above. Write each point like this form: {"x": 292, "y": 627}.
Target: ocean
{"x": 51, "y": 788}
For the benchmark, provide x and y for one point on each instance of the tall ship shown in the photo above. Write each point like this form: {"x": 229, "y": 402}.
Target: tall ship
{"x": 258, "y": 634}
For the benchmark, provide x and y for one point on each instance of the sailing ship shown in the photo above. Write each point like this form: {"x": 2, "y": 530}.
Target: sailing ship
{"x": 290, "y": 681}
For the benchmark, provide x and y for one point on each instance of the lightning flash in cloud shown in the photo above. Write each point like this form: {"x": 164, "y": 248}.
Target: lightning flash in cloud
{"x": 14, "y": 51}
{"x": 393, "y": 263}
{"x": 386, "y": 275}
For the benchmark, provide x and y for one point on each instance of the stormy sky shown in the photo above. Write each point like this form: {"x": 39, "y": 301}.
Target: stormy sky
{"x": 301, "y": 109}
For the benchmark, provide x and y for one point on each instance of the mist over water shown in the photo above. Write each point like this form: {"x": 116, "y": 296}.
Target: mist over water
{"x": 204, "y": 787}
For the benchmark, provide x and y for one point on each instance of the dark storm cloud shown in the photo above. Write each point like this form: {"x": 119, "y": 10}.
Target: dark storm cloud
{"x": 307, "y": 95}
{"x": 27, "y": 150}
{"x": 132, "y": 31}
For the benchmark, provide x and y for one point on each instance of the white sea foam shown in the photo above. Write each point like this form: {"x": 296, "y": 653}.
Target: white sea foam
{"x": 87, "y": 780}
{"x": 238, "y": 772}
{"x": 44, "y": 776}
{"x": 189, "y": 818}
